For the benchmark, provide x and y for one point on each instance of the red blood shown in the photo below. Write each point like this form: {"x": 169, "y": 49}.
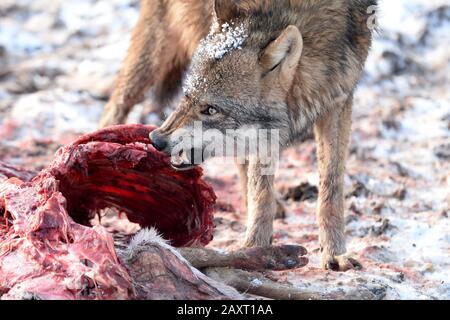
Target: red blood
{"x": 44, "y": 223}
{"x": 118, "y": 168}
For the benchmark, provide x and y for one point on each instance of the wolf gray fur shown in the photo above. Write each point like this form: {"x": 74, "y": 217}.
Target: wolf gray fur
{"x": 275, "y": 64}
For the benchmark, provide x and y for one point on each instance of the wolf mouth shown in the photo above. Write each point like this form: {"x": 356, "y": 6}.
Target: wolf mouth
{"x": 186, "y": 160}
{"x": 183, "y": 166}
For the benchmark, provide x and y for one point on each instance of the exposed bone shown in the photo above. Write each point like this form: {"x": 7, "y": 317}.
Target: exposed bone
{"x": 154, "y": 270}
{"x": 44, "y": 222}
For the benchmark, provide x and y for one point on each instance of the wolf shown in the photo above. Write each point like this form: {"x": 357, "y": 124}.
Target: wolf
{"x": 289, "y": 65}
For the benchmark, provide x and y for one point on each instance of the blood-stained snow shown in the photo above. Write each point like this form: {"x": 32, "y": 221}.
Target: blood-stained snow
{"x": 58, "y": 61}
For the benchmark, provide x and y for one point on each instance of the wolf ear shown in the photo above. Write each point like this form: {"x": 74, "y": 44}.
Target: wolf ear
{"x": 284, "y": 54}
{"x": 226, "y": 10}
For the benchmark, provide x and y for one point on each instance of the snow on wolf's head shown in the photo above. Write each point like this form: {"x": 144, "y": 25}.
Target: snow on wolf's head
{"x": 238, "y": 81}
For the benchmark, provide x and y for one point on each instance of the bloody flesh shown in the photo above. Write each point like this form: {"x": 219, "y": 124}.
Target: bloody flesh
{"x": 44, "y": 223}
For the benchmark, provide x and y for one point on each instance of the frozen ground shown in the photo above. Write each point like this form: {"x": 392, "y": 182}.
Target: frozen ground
{"x": 58, "y": 60}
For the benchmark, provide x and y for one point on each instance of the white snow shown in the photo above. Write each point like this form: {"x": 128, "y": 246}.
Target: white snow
{"x": 217, "y": 44}
{"x": 84, "y": 42}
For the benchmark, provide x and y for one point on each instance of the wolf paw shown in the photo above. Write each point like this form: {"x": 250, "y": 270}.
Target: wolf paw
{"x": 340, "y": 263}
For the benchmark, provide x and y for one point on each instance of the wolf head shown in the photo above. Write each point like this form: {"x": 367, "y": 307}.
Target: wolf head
{"x": 239, "y": 79}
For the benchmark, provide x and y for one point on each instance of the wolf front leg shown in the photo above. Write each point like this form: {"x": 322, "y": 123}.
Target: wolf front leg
{"x": 243, "y": 178}
{"x": 332, "y": 135}
{"x": 261, "y": 204}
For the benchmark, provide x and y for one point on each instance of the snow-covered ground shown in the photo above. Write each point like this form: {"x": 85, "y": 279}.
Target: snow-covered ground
{"x": 58, "y": 61}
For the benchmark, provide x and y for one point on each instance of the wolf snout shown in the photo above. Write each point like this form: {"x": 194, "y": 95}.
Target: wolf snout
{"x": 158, "y": 141}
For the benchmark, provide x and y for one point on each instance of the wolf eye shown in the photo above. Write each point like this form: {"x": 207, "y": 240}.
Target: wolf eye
{"x": 210, "y": 111}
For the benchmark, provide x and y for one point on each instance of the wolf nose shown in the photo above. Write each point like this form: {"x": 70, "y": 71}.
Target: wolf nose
{"x": 158, "y": 141}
